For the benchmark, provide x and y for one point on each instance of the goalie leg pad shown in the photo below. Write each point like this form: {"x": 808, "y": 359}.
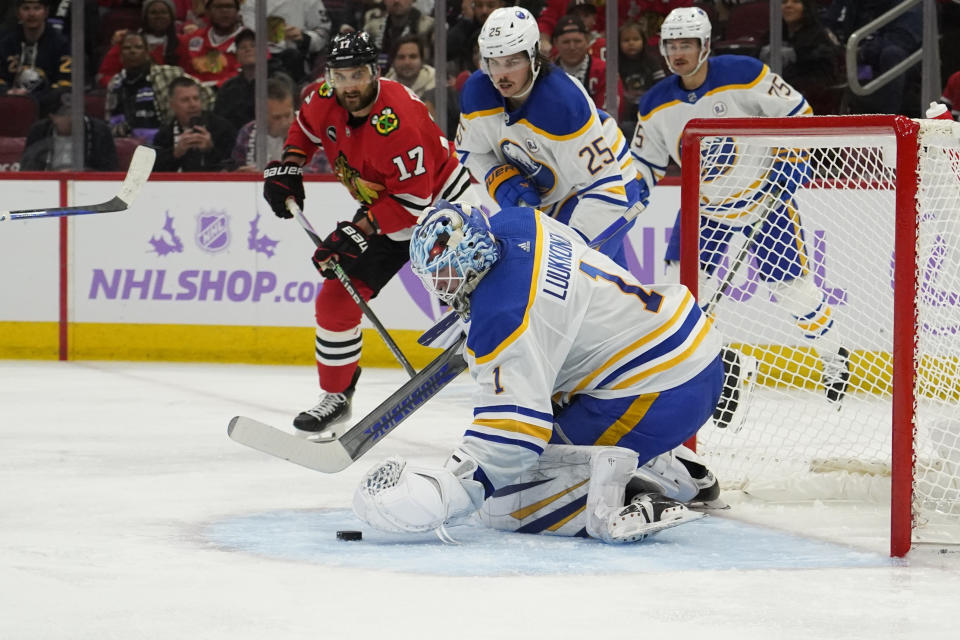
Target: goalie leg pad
{"x": 396, "y": 497}
{"x": 549, "y": 498}
{"x": 610, "y": 470}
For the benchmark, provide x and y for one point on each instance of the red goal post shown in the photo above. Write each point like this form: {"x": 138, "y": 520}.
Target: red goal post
{"x": 868, "y": 187}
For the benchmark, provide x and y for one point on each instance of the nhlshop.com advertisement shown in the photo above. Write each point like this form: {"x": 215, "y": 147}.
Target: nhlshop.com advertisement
{"x": 209, "y": 252}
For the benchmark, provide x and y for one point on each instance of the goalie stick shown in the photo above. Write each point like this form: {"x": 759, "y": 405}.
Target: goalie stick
{"x": 351, "y": 290}
{"x": 338, "y": 453}
{"x": 141, "y": 165}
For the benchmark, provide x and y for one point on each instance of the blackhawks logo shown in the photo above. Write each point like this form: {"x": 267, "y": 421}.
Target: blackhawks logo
{"x": 362, "y": 190}
{"x": 325, "y": 90}
{"x": 385, "y": 122}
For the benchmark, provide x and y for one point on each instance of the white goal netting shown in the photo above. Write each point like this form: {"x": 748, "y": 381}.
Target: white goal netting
{"x": 810, "y": 311}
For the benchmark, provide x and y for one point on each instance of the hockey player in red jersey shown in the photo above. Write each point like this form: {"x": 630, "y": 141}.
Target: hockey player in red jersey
{"x": 384, "y": 148}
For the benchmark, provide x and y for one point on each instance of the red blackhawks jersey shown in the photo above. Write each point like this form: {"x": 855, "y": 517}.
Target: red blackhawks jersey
{"x": 395, "y": 161}
{"x": 210, "y": 59}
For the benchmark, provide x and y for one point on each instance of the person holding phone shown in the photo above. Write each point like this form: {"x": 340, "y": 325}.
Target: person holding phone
{"x": 194, "y": 140}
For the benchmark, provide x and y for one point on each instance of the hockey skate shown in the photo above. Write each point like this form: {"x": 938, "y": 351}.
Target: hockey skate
{"x": 739, "y": 378}
{"x": 316, "y": 423}
{"x": 706, "y": 485}
{"x": 836, "y": 375}
{"x": 645, "y": 515}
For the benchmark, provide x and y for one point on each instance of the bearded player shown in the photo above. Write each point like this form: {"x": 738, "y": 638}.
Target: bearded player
{"x": 384, "y": 148}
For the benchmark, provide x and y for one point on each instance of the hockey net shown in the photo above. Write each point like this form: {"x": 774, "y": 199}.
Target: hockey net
{"x": 878, "y": 201}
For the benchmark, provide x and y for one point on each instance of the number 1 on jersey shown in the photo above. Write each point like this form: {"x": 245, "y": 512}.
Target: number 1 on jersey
{"x": 497, "y": 388}
{"x": 651, "y": 299}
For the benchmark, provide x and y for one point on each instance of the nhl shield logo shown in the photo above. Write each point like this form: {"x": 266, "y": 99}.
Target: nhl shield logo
{"x": 213, "y": 231}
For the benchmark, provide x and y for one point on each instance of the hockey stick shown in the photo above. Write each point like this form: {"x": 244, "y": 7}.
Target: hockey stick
{"x": 336, "y": 454}
{"x": 140, "y": 167}
{"x": 771, "y": 199}
{"x": 739, "y": 370}
{"x": 619, "y": 225}
{"x": 344, "y": 279}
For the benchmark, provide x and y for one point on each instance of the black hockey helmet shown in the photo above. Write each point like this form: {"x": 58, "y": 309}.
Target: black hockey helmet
{"x": 353, "y": 49}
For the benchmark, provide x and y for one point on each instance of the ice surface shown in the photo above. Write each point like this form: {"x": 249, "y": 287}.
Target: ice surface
{"x": 126, "y": 512}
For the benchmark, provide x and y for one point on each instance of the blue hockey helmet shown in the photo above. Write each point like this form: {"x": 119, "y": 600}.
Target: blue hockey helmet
{"x": 451, "y": 250}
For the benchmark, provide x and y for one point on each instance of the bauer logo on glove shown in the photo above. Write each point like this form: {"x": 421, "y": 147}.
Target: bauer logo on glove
{"x": 347, "y": 243}
{"x": 280, "y": 182}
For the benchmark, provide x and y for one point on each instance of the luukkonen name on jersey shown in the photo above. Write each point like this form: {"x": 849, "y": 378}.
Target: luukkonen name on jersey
{"x": 559, "y": 266}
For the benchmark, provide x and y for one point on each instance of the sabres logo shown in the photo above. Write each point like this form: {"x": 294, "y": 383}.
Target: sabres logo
{"x": 325, "y": 90}
{"x": 385, "y": 122}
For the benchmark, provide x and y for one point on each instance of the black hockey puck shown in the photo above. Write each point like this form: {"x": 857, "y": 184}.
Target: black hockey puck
{"x": 349, "y": 535}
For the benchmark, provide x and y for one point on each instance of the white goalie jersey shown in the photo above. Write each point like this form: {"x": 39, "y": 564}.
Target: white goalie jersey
{"x": 736, "y": 86}
{"x": 553, "y": 319}
{"x": 570, "y": 151}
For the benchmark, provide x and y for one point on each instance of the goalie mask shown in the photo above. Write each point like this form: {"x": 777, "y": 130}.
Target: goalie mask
{"x": 451, "y": 250}
{"x": 687, "y": 22}
{"x": 510, "y": 30}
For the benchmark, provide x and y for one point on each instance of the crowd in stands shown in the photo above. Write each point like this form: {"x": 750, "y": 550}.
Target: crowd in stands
{"x": 179, "y": 74}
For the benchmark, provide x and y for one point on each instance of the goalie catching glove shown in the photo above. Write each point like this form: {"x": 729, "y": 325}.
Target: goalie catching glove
{"x": 396, "y": 497}
{"x": 347, "y": 242}
{"x": 282, "y": 181}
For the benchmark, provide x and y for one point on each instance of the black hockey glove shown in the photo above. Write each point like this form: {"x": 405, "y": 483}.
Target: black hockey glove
{"x": 347, "y": 243}
{"x": 282, "y": 181}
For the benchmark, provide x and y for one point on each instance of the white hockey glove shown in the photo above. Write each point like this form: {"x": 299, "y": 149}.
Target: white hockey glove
{"x": 445, "y": 332}
{"x": 396, "y": 497}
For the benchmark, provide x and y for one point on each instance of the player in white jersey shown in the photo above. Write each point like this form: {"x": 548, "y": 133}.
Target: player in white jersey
{"x": 534, "y": 136}
{"x": 736, "y": 194}
{"x": 581, "y": 373}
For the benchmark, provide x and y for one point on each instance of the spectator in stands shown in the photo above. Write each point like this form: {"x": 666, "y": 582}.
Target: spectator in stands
{"x": 462, "y": 77}
{"x": 195, "y": 140}
{"x": 138, "y": 97}
{"x": 209, "y": 54}
{"x": 462, "y": 35}
{"x": 639, "y": 68}
{"x": 811, "y": 53}
{"x": 280, "y": 116}
{"x": 398, "y": 18}
{"x": 555, "y": 9}
{"x": 59, "y": 19}
{"x": 34, "y": 60}
{"x": 236, "y": 100}
{"x": 159, "y": 28}
{"x": 49, "y": 145}
{"x": 881, "y": 51}
{"x": 951, "y": 95}
{"x": 194, "y": 15}
{"x": 586, "y": 10}
{"x": 408, "y": 68}
{"x": 298, "y": 30}
{"x": 571, "y": 44}
{"x": 649, "y": 14}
